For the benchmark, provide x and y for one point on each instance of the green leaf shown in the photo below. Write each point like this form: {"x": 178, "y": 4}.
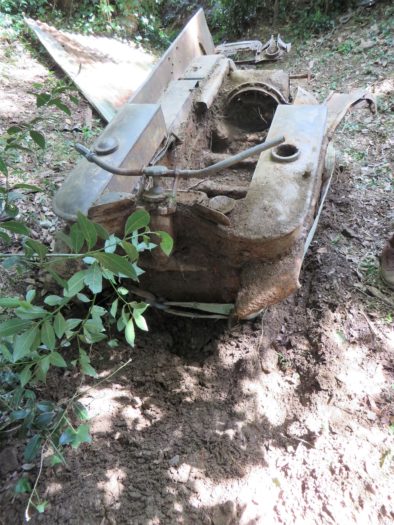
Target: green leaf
{"x": 88, "y": 369}
{"x": 114, "y": 308}
{"x": 13, "y": 326}
{"x": 40, "y": 507}
{"x": 27, "y": 311}
{"x": 53, "y": 300}
{"x": 18, "y": 415}
{"x": 30, "y": 295}
{"x": 67, "y": 436}
{"x": 130, "y": 250}
{"x": 140, "y": 321}
{"x": 32, "y": 448}
{"x": 43, "y": 367}
{"x": 57, "y": 459}
{"x": 6, "y": 238}
{"x": 22, "y": 486}
{"x": 15, "y": 227}
{"x": 130, "y": 332}
{"x": 48, "y": 335}
{"x": 75, "y": 284}
{"x": 14, "y": 145}
{"x": 94, "y": 279}
{"x": 40, "y": 249}
{"x": 88, "y": 230}
{"x": 111, "y": 244}
{"x": 166, "y": 243}
{"x": 139, "y": 219}
{"x": 30, "y": 187}
{"x": 81, "y": 436}
{"x": 25, "y": 343}
{"x": 101, "y": 231}
{"x": 56, "y": 277}
{"x": 9, "y": 302}
{"x": 44, "y": 420}
{"x": 116, "y": 264}
{"x": 13, "y": 130}
{"x": 6, "y": 353}
{"x": 83, "y": 298}
{"x": 59, "y": 104}
{"x": 3, "y": 167}
{"x": 66, "y": 239}
{"x": 80, "y": 411}
{"x": 42, "y": 99}
{"x": 46, "y": 406}
{"x": 38, "y": 138}
{"x": 77, "y": 238}
{"x": 57, "y": 360}
{"x": 25, "y": 376}
{"x": 72, "y": 323}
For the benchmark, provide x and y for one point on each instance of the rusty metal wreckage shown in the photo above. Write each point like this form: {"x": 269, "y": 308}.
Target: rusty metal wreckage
{"x": 262, "y": 162}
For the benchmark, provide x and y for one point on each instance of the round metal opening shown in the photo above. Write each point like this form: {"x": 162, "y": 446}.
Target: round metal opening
{"x": 285, "y": 153}
{"x": 251, "y": 109}
{"x": 272, "y": 53}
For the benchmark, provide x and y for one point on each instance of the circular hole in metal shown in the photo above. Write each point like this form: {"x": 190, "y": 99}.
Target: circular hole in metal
{"x": 285, "y": 153}
{"x": 251, "y": 109}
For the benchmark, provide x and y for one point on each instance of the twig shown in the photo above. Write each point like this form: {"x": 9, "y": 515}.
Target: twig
{"x": 27, "y": 516}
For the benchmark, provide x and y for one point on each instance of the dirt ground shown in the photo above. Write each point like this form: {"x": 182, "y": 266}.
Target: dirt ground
{"x": 280, "y": 420}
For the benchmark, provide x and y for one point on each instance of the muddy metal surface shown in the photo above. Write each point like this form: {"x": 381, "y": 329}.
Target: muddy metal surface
{"x": 281, "y": 420}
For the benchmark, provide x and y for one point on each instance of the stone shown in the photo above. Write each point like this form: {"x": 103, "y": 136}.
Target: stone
{"x": 225, "y": 514}
{"x": 269, "y": 360}
{"x": 8, "y": 460}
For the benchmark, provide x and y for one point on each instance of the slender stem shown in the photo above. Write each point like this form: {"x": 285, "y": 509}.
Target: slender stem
{"x": 34, "y": 491}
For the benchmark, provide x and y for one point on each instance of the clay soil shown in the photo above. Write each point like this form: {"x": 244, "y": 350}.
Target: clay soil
{"x": 283, "y": 419}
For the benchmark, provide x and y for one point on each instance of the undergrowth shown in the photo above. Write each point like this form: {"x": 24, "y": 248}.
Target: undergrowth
{"x": 42, "y": 333}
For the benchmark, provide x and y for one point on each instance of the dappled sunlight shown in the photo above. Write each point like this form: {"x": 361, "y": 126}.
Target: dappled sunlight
{"x": 256, "y": 495}
{"x": 384, "y": 87}
{"x": 270, "y": 393}
{"x": 103, "y": 405}
{"x": 54, "y": 488}
{"x": 107, "y": 71}
{"x": 113, "y": 488}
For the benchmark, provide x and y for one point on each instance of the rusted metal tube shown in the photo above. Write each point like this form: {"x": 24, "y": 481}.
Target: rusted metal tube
{"x": 234, "y": 159}
{"x": 163, "y": 171}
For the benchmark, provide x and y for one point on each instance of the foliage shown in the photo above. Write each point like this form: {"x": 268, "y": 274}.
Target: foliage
{"x": 138, "y": 19}
{"x": 232, "y": 18}
{"x": 19, "y": 139}
{"x": 40, "y": 335}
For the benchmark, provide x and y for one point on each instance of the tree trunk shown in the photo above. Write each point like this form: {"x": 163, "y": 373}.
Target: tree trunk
{"x": 275, "y": 18}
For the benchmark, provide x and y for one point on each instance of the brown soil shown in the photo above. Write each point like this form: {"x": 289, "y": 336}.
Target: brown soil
{"x": 284, "y": 419}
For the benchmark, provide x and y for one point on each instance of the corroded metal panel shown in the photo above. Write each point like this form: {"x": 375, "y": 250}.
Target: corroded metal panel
{"x": 280, "y": 193}
{"x": 138, "y": 129}
{"x": 194, "y": 40}
{"x": 105, "y": 70}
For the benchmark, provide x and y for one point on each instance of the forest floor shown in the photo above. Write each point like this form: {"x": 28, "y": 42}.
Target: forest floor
{"x": 283, "y": 419}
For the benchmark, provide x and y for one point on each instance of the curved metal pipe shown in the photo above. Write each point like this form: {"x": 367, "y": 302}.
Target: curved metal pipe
{"x": 163, "y": 171}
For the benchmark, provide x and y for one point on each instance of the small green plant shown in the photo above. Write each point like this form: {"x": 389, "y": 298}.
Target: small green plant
{"x": 346, "y": 47}
{"x": 283, "y": 361}
{"x": 21, "y": 139}
{"x": 39, "y": 335}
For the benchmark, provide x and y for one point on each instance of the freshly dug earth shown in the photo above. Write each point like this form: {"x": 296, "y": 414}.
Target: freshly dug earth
{"x": 284, "y": 419}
